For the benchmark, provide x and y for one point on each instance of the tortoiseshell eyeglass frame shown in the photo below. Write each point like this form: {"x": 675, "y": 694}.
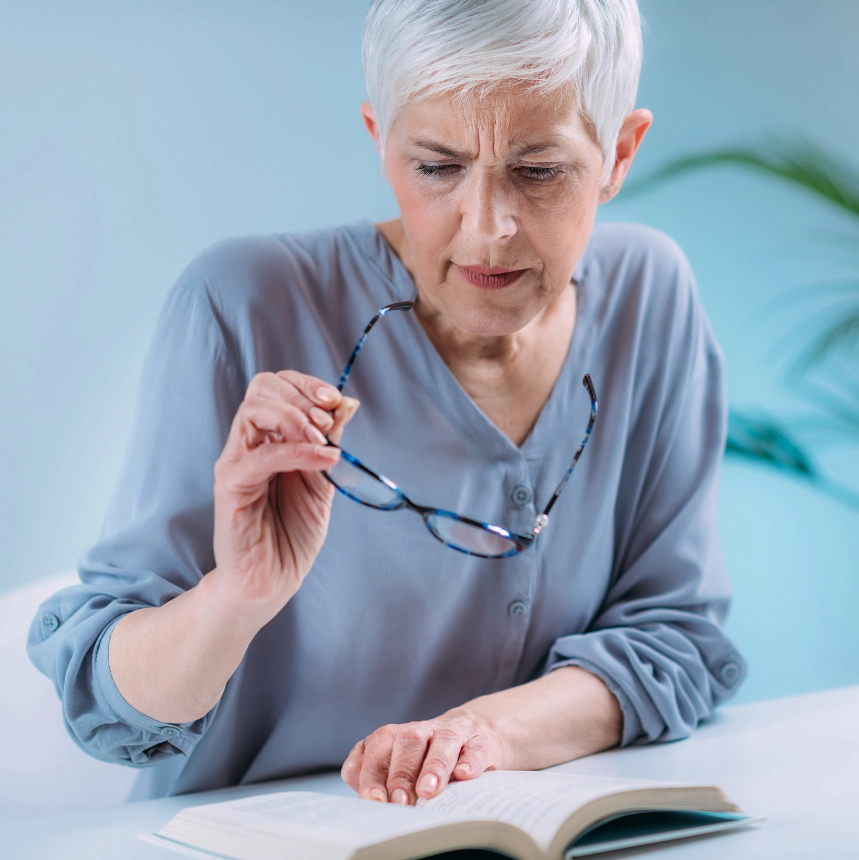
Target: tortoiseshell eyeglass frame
{"x": 520, "y": 540}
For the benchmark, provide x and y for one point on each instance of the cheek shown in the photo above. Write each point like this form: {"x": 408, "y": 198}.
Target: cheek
{"x": 558, "y": 231}
{"x": 429, "y": 218}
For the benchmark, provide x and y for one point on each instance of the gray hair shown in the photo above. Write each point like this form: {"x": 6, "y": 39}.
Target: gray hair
{"x": 418, "y": 48}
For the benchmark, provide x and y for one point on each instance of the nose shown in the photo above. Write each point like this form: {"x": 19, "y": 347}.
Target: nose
{"x": 488, "y": 208}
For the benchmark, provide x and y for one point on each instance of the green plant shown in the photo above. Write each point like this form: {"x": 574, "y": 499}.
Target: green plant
{"x": 832, "y": 391}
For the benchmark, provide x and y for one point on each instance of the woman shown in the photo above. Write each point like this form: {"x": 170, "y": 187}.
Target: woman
{"x": 272, "y": 626}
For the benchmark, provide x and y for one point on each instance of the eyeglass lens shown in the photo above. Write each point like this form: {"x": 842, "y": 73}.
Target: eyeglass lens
{"x": 363, "y": 487}
{"x": 474, "y": 539}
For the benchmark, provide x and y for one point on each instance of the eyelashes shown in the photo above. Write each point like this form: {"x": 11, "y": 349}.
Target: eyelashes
{"x": 435, "y": 169}
{"x": 541, "y": 172}
{"x": 533, "y": 173}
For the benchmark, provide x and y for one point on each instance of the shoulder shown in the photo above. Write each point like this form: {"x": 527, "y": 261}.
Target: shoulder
{"x": 641, "y": 282}
{"x": 279, "y": 300}
{"x": 634, "y": 256}
{"x": 650, "y": 326}
{"x": 259, "y": 270}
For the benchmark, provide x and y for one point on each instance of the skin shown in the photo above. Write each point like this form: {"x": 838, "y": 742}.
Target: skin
{"x": 479, "y": 202}
{"x": 513, "y": 179}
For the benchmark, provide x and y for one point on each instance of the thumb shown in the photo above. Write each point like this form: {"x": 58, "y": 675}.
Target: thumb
{"x": 342, "y": 415}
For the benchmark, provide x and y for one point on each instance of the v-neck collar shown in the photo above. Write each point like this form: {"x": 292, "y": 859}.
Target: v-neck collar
{"x": 464, "y": 414}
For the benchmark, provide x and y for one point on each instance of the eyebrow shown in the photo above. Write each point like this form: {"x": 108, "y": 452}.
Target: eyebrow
{"x": 447, "y": 152}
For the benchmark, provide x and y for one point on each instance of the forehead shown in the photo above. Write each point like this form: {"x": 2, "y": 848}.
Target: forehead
{"x": 513, "y": 116}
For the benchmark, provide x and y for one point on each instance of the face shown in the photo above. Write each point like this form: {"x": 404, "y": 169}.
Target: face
{"x": 497, "y": 198}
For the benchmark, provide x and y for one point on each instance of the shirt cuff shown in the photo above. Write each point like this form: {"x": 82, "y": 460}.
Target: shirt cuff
{"x": 160, "y": 732}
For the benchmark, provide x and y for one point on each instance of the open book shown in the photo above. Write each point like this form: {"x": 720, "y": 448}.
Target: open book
{"x": 525, "y": 815}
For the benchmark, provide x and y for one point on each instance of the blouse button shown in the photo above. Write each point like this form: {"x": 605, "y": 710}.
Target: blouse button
{"x": 521, "y": 495}
{"x": 517, "y": 609}
{"x": 50, "y": 622}
{"x": 169, "y": 731}
{"x": 730, "y": 672}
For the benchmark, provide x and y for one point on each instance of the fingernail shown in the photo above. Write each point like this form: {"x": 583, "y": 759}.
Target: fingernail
{"x": 313, "y": 434}
{"x": 325, "y": 394}
{"x": 320, "y": 417}
{"x": 429, "y": 783}
{"x": 377, "y": 794}
{"x": 400, "y": 796}
{"x": 463, "y": 769}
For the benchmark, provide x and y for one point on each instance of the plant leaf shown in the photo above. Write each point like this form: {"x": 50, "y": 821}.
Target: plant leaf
{"x": 802, "y": 163}
{"x": 843, "y": 332}
{"x": 762, "y": 439}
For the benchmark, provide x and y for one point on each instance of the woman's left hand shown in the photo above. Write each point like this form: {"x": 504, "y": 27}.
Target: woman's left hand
{"x": 400, "y": 763}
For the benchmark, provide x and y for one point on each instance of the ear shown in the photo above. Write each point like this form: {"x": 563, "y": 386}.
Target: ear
{"x": 628, "y": 140}
{"x": 370, "y": 122}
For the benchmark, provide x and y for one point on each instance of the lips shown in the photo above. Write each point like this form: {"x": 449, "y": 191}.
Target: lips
{"x": 489, "y": 277}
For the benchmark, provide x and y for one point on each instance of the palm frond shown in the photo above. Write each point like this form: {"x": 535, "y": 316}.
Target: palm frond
{"x": 763, "y": 440}
{"x": 801, "y": 163}
{"x": 839, "y": 405}
{"x": 843, "y": 332}
{"x": 810, "y": 292}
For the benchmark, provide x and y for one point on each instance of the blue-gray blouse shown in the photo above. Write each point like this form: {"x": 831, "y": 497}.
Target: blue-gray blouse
{"x": 626, "y": 580}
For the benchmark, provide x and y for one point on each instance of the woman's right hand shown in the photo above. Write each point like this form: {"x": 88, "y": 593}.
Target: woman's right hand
{"x": 272, "y": 505}
{"x": 272, "y": 502}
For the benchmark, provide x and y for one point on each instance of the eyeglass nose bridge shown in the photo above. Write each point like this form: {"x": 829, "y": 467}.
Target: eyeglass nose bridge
{"x": 402, "y": 501}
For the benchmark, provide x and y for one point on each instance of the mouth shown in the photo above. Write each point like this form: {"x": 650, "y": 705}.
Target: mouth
{"x": 489, "y": 277}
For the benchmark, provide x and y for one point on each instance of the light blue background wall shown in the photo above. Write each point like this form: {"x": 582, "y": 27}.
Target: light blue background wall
{"x": 135, "y": 134}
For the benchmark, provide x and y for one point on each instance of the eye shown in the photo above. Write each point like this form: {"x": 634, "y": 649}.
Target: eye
{"x": 443, "y": 170}
{"x": 540, "y": 173}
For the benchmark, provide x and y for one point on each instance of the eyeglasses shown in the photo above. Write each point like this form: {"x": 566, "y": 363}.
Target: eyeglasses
{"x": 473, "y": 537}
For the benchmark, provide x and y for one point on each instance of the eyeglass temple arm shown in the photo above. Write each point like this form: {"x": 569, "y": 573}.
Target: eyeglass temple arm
{"x": 543, "y": 518}
{"x": 395, "y": 306}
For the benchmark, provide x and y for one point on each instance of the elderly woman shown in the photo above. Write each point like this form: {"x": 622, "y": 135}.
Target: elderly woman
{"x": 411, "y": 596}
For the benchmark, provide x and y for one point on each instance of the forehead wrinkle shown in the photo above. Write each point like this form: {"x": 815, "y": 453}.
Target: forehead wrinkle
{"x": 506, "y": 125}
{"x": 487, "y": 123}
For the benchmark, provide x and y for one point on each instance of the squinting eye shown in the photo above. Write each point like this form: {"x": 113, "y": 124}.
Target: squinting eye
{"x": 541, "y": 172}
{"x": 436, "y": 169}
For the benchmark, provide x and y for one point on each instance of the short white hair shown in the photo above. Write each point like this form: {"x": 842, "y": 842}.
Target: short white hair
{"x": 419, "y": 48}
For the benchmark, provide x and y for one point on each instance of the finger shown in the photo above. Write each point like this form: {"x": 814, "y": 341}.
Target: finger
{"x": 283, "y": 419}
{"x": 312, "y": 396}
{"x": 407, "y": 758}
{"x": 373, "y": 779}
{"x": 342, "y": 416}
{"x": 316, "y": 390}
{"x": 441, "y": 757}
{"x": 474, "y": 759}
{"x": 259, "y": 465}
{"x": 351, "y": 770}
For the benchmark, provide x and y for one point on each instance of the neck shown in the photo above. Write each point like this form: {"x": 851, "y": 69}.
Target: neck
{"x": 509, "y": 377}
{"x": 460, "y": 347}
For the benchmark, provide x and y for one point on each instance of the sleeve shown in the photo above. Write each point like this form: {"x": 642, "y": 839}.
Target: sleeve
{"x": 657, "y": 641}
{"x": 156, "y": 541}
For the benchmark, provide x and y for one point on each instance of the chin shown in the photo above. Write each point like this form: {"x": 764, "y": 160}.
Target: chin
{"x": 490, "y": 320}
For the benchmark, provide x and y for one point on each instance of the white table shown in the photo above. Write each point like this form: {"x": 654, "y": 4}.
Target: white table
{"x": 793, "y": 761}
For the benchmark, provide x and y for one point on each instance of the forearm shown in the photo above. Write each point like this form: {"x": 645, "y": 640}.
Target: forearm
{"x": 173, "y": 662}
{"x": 564, "y": 715}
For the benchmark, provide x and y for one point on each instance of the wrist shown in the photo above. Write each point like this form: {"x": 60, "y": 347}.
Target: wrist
{"x": 223, "y": 603}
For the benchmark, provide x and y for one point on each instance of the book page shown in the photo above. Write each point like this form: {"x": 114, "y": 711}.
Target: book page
{"x": 344, "y": 821}
{"x": 537, "y": 802}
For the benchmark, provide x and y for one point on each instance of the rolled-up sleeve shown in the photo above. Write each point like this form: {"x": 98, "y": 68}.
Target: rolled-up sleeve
{"x": 657, "y": 641}
{"x": 157, "y": 537}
